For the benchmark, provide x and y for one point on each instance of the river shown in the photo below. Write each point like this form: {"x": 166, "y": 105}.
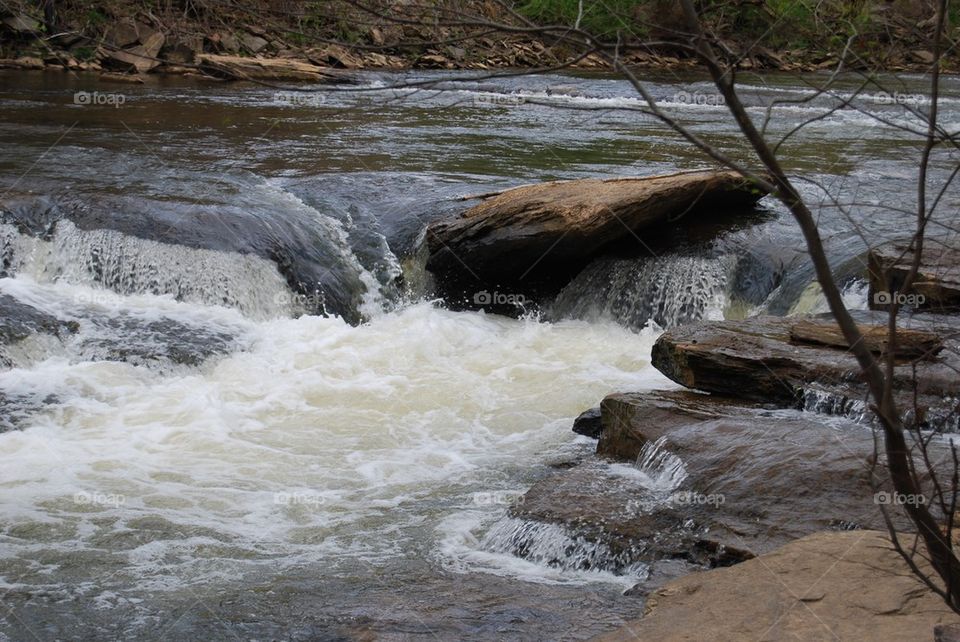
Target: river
{"x": 207, "y": 455}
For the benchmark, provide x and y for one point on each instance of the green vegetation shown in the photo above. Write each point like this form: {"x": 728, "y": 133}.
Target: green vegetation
{"x": 823, "y": 25}
{"x": 603, "y": 18}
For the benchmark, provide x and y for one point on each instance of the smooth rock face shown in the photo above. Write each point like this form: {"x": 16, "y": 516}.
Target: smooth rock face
{"x": 936, "y": 287}
{"x": 755, "y": 359}
{"x": 827, "y": 586}
{"x": 557, "y": 226}
{"x": 716, "y": 482}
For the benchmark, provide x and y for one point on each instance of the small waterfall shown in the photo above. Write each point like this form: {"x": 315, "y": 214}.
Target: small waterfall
{"x": 669, "y": 290}
{"x": 130, "y": 265}
{"x": 944, "y": 417}
{"x": 826, "y": 402}
{"x": 664, "y": 470}
{"x": 554, "y": 546}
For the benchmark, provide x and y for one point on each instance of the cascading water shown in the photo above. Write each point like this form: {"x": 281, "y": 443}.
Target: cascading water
{"x": 126, "y": 265}
{"x": 668, "y": 290}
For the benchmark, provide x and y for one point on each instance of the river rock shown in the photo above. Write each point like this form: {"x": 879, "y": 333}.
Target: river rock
{"x": 936, "y": 287}
{"x": 756, "y": 359}
{"x": 309, "y": 257}
{"x": 21, "y": 25}
{"x": 139, "y": 59}
{"x": 122, "y": 34}
{"x": 273, "y": 69}
{"x": 554, "y": 228}
{"x": 253, "y": 44}
{"x": 826, "y": 586}
{"x": 589, "y": 423}
{"x": 19, "y": 320}
{"x": 717, "y": 483}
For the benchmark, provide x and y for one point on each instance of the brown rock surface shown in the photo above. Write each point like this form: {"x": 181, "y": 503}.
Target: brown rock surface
{"x": 755, "y": 359}
{"x": 718, "y": 482}
{"x": 139, "y": 59}
{"x": 827, "y": 586}
{"x": 565, "y": 222}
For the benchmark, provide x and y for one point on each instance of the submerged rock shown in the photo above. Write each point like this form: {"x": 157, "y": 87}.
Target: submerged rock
{"x": 826, "y": 586}
{"x": 757, "y": 359}
{"x": 19, "y": 321}
{"x": 153, "y": 342}
{"x": 552, "y": 229}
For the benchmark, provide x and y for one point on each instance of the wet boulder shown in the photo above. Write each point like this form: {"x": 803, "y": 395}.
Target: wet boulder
{"x": 712, "y": 481}
{"x": 589, "y": 423}
{"x": 773, "y": 360}
{"x": 19, "y": 321}
{"x": 550, "y": 230}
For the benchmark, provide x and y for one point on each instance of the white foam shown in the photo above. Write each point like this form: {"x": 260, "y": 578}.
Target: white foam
{"x": 313, "y": 440}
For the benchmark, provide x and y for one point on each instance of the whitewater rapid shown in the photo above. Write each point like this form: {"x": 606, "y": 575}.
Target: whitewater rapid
{"x": 317, "y": 441}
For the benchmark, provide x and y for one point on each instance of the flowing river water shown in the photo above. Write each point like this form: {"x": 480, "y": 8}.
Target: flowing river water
{"x": 205, "y": 454}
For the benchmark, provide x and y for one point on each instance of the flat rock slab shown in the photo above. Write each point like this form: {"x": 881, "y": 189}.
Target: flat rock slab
{"x": 561, "y": 224}
{"x": 757, "y": 359}
{"x": 936, "y": 287}
{"x": 139, "y": 59}
{"x": 827, "y": 586}
{"x": 717, "y": 482}
{"x": 272, "y": 69}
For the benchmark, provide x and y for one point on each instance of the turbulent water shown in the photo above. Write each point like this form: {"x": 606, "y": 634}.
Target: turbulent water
{"x": 252, "y": 422}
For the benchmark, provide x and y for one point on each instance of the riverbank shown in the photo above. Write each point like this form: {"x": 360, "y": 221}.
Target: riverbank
{"x": 120, "y": 36}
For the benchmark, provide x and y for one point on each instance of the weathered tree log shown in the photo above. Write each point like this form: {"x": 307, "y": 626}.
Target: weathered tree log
{"x": 273, "y": 69}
